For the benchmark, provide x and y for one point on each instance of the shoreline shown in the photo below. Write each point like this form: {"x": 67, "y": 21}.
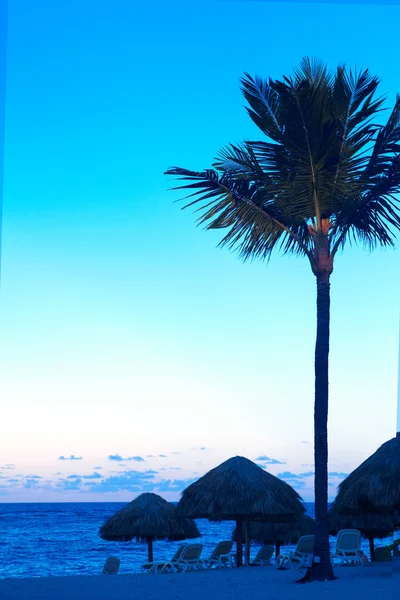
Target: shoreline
{"x": 352, "y": 583}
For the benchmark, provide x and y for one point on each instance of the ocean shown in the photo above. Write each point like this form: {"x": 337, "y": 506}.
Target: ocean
{"x": 57, "y": 539}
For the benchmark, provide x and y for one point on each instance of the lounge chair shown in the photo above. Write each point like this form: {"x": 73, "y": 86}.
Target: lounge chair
{"x": 221, "y": 557}
{"x": 263, "y": 557}
{"x": 111, "y": 566}
{"x": 348, "y": 547}
{"x": 300, "y": 557}
{"x": 188, "y": 560}
{"x": 154, "y": 567}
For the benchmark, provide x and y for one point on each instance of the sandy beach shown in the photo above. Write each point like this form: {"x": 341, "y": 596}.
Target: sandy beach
{"x": 369, "y": 583}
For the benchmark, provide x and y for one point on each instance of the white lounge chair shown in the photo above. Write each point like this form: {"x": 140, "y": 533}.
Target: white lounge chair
{"x": 155, "y": 567}
{"x": 300, "y": 557}
{"x": 221, "y": 556}
{"x": 111, "y": 566}
{"x": 188, "y": 560}
{"x": 263, "y": 557}
{"x": 348, "y": 547}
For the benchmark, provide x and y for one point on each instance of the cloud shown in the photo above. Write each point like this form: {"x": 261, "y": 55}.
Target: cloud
{"x": 98, "y": 467}
{"x": 338, "y": 475}
{"x": 304, "y": 442}
{"x": 170, "y": 469}
{"x": 93, "y": 476}
{"x": 31, "y": 483}
{"x": 297, "y": 484}
{"x": 270, "y": 461}
{"x": 136, "y": 481}
{"x": 307, "y": 474}
{"x": 174, "y": 485}
{"x": 203, "y": 448}
{"x": 289, "y": 475}
{"x": 68, "y": 485}
{"x": 176, "y": 452}
{"x": 162, "y": 456}
{"x": 262, "y": 466}
{"x": 131, "y": 481}
{"x": 150, "y": 456}
{"x": 71, "y": 457}
{"x": 8, "y": 467}
{"x": 119, "y": 458}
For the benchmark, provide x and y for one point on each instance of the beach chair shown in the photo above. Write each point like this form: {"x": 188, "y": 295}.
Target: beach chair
{"x": 300, "y": 557}
{"x": 188, "y": 560}
{"x": 263, "y": 557}
{"x": 348, "y": 547}
{"x": 111, "y": 566}
{"x": 155, "y": 567}
{"x": 221, "y": 556}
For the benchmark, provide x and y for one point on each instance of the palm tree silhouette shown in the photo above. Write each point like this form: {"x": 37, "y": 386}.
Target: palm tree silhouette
{"x": 327, "y": 174}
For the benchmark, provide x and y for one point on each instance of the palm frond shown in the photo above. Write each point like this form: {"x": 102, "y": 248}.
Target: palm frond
{"x": 246, "y": 208}
{"x": 324, "y": 157}
{"x": 264, "y": 103}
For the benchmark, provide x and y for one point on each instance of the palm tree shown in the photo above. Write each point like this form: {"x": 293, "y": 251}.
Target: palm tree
{"x": 326, "y": 175}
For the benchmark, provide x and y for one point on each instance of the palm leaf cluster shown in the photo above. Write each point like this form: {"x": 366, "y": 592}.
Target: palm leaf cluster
{"x": 325, "y": 167}
{"x": 281, "y": 533}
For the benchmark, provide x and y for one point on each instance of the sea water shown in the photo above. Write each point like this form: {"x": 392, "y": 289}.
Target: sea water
{"x": 57, "y": 539}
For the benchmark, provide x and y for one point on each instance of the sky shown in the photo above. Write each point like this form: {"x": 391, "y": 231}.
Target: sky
{"x": 135, "y": 355}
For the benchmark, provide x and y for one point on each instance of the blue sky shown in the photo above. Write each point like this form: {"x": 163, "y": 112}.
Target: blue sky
{"x": 125, "y": 332}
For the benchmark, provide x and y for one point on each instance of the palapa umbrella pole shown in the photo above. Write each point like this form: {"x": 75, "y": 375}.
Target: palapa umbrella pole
{"x": 277, "y": 549}
{"x": 239, "y": 543}
{"x": 150, "y": 549}
{"x": 371, "y": 548}
{"x": 247, "y": 539}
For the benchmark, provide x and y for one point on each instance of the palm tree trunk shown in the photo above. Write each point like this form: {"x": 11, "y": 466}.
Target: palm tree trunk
{"x": 322, "y": 566}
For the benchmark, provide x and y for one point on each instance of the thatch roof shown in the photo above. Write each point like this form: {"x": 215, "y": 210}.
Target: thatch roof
{"x": 148, "y": 517}
{"x": 239, "y": 489}
{"x": 371, "y": 525}
{"x": 282, "y": 533}
{"x": 374, "y": 487}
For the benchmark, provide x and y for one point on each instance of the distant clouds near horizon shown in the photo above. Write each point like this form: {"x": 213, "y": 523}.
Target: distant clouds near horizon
{"x": 134, "y": 481}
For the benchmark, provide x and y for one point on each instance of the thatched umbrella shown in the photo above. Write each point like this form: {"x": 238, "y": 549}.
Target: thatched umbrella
{"x": 374, "y": 487}
{"x": 147, "y": 518}
{"x": 239, "y": 490}
{"x": 280, "y": 534}
{"x": 371, "y": 525}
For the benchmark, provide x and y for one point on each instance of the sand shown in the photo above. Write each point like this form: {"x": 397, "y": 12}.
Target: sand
{"x": 374, "y": 582}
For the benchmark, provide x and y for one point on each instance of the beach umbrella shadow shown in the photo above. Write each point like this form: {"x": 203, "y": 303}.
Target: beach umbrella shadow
{"x": 279, "y": 534}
